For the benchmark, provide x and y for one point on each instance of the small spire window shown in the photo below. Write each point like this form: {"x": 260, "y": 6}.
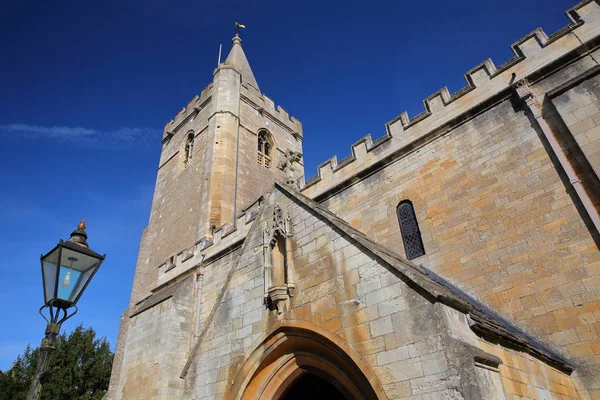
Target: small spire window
{"x": 189, "y": 149}
{"x": 265, "y": 150}
{"x": 409, "y": 228}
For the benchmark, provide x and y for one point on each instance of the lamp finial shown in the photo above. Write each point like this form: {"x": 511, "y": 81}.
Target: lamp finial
{"x": 79, "y": 235}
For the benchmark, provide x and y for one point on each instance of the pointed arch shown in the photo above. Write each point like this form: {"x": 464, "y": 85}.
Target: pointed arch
{"x": 293, "y": 348}
{"x": 266, "y": 149}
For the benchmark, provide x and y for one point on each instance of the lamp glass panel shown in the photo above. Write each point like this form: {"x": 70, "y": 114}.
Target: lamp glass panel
{"x": 67, "y": 280}
{"x": 49, "y": 264}
{"x": 75, "y": 270}
{"x": 85, "y": 277}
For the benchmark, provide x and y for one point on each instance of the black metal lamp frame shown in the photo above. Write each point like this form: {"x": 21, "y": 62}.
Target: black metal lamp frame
{"x": 48, "y": 342}
{"x": 58, "y": 309}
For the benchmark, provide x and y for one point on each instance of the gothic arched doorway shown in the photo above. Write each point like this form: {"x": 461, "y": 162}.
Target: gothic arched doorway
{"x": 294, "y": 362}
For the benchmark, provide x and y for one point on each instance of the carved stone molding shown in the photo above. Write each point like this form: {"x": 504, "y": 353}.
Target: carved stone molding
{"x": 278, "y": 263}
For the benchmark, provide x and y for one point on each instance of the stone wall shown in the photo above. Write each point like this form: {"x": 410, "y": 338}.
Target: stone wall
{"x": 158, "y": 343}
{"x": 497, "y": 214}
{"x": 256, "y": 115}
{"x": 223, "y": 176}
{"x": 579, "y": 109}
{"x": 178, "y": 194}
{"x": 403, "y": 336}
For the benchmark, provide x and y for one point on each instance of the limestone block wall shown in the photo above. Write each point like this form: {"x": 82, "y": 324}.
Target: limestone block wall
{"x": 404, "y": 339}
{"x": 258, "y": 112}
{"x": 518, "y": 375}
{"x": 524, "y": 377}
{"x": 496, "y": 213}
{"x": 230, "y": 331}
{"x": 158, "y": 342}
{"x": 214, "y": 279}
{"x": 222, "y": 178}
{"x": 493, "y": 213}
{"x": 179, "y": 191}
{"x": 579, "y": 108}
{"x": 496, "y": 218}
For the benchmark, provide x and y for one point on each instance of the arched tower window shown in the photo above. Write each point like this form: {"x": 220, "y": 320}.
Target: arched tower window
{"x": 265, "y": 149}
{"x": 189, "y": 149}
{"x": 409, "y": 228}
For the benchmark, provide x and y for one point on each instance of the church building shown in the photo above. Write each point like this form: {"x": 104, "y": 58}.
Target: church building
{"x": 456, "y": 257}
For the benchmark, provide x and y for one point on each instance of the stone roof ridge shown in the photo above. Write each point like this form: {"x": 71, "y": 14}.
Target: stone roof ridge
{"x": 238, "y": 61}
{"x": 529, "y": 56}
{"x": 485, "y": 322}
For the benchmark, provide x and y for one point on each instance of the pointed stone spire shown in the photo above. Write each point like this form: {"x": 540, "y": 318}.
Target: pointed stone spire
{"x": 238, "y": 61}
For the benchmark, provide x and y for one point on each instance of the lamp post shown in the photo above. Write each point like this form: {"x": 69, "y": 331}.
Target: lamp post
{"x": 66, "y": 271}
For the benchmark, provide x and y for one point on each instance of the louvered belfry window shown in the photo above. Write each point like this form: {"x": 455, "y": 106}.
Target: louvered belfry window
{"x": 264, "y": 150}
{"x": 411, "y": 235}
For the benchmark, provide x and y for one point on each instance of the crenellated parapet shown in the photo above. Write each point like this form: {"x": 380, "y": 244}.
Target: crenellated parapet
{"x": 534, "y": 55}
{"x": 267, "y": 108}
{"x": 197, "y": 104}
{"x": 223, "y": 238}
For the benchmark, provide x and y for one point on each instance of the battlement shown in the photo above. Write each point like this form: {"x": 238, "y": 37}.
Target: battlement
{"x": 265, "y": 105}
{"x": 532, "y": 53}
{"x": 191, "y": 109}
{"x": 223, "y": 238}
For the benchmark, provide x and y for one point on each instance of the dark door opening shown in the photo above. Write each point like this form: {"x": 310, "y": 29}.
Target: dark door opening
{"x": 312, "y": 387}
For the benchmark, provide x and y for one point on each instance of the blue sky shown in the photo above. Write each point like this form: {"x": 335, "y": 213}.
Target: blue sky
{"x": 86, "y": 88}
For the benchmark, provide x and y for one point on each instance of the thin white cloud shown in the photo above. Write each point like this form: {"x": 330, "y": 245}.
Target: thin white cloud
{"x": 83, "y": 136}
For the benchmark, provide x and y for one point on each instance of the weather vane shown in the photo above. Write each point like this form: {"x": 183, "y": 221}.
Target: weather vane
{"x": 238, "y": 27}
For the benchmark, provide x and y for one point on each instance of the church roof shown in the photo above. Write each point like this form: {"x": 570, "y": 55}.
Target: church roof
{"x": 237, "y": 59}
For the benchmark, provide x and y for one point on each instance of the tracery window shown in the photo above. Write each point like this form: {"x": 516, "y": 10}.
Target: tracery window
{"x": 189, "y": 149}
{"x": 409, "y": 228}
{"x": 265, "y": 150}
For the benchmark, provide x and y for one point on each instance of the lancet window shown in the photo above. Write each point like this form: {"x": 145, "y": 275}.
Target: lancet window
{"x": 188, "y": 150}
{"x": 265, "y": 149}
{"x": 409, "y": 228}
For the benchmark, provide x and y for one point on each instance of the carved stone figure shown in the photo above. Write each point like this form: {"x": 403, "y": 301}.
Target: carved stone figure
{"x": 287, "y": 166}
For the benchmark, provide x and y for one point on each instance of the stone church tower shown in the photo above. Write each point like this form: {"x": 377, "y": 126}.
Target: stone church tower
{"x": 456, "y": 257}
{"x": 208, "y": 170}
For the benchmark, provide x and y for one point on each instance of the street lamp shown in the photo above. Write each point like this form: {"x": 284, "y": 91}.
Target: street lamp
{"x": 66, "y": 271}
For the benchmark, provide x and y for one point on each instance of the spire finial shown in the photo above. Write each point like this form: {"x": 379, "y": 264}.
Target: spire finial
{"x": 79, "y": 235}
